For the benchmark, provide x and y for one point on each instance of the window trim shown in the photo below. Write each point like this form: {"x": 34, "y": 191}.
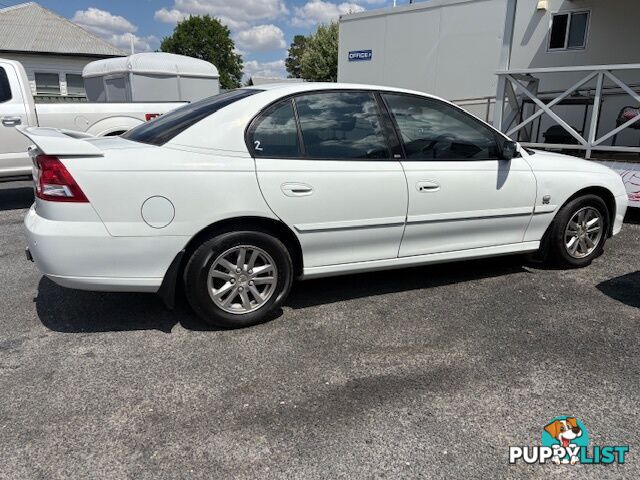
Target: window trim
{"x": 497, "y": 136}
{"x": 570, "y": 14}
{"x": 6, "y": 77}
{"x": 381, "y": 113}
{"x": 47, "y": 72}
{"x": 66, "y": 81}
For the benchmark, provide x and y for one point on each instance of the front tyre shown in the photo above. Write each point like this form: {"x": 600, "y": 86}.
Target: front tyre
{"x": 238, "y": 279}
{"x": 580, "y": 232}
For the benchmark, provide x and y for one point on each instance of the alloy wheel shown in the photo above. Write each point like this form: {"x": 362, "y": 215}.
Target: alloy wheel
{"x": 583, "y": 232}
{"x": 242, "y": 279}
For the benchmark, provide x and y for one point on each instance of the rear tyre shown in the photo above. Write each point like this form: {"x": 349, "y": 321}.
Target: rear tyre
{"x": 579, "y": 232}
{"x": 238, "y": 279}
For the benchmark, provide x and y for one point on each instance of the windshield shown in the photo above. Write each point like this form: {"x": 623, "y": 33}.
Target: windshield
{"x": 162, "y": 129}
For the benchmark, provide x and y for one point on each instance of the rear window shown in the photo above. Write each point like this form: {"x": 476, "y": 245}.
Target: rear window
{"x": 5, "y": 90}
{"x": 162, "y": 129}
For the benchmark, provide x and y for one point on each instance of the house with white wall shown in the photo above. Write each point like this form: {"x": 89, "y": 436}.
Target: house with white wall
{"x": 52, "y": 49}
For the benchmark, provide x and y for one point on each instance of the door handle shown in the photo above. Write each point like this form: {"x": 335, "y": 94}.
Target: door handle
{"x": 11, "y": 121}
{"x": 296, "y": 189}
{"x": 427, "y": 186}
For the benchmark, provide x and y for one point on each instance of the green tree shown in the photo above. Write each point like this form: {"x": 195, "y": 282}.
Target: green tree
{"x": 207, "y": 39}
{"x": 294, "y": 57}
{"x": 320, "y": 59}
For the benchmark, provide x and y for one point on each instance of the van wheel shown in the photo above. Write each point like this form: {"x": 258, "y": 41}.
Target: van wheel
{"x": 238, "y": 279}
{"x": 579, "y": 232}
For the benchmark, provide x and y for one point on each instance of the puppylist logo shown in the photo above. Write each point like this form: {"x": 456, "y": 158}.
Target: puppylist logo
{"x": 565, "y": 440}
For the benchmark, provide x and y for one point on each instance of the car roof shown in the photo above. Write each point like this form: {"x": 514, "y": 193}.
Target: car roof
{"x": 292, "y": 88}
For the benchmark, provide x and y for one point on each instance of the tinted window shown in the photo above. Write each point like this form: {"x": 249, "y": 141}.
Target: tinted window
{"x": 558, "y": 31}
{"x": 435, "y": 130}
{"x": 578, "y": 30}
{"x": 276, "y": 133}
{"x": 5, "y": 89}
{"x": 569, "y": 30}
{"x": 169, "y": 125}
{"x": 341, "y": 125}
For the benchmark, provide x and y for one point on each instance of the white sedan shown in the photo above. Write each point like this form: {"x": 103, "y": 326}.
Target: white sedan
{"x": 235, "y": 196}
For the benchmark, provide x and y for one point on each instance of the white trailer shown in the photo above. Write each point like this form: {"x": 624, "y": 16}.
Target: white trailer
{"x": 150, "y": 77}
{"x": 18, "y": 108}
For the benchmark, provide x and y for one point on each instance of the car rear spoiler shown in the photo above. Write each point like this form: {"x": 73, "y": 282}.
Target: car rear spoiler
{"x": 55, "y": 141}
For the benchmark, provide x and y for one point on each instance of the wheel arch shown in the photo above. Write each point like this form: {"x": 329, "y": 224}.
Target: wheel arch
{"x": 604, "y": 193}
{"x": 108, "y": 126}
{"x": 607, "y": 197}
{"x": 172, "y": 279}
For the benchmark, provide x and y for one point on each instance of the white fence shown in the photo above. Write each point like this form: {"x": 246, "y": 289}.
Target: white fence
{"x": 518, "y": 89}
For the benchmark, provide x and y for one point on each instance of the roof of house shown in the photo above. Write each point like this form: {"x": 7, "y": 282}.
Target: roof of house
{"x": 28, "y": 27}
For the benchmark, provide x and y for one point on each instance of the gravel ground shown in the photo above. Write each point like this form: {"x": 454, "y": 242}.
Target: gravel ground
{"x": 427, "y": 372}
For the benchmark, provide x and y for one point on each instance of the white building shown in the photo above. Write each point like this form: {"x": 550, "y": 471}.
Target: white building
{"x": 472, "y": 52}
{"x": 560, "y": 71}
{"x": 52, "y": 49}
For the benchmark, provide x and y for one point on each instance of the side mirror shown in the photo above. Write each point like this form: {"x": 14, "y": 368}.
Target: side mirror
{"x": 509, "y": 149}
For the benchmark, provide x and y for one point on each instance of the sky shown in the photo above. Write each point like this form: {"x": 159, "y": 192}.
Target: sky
{"x": 262, "y": 29}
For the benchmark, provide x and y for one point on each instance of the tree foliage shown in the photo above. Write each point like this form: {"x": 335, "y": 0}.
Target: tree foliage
{"x": 319, "y": 62}
{"x": 206, "y": 38}
{"x": 294, "y": 57}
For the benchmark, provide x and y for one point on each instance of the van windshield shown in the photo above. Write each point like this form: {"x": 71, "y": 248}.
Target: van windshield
{"x": 162, "y": 129}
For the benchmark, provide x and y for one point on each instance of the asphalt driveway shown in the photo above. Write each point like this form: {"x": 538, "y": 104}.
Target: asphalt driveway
{"x": 427, "y": 372}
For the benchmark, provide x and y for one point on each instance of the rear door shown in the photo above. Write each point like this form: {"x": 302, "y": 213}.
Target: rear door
{"x": 325, "y": 168}
{"x": 14, "y": 159}
{"x": 462, "y": 193}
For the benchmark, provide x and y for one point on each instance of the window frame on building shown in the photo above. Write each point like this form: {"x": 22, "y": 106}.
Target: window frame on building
{"x": 35, "y": 81}
{"x": 570, "y": 14}
{"x": 82, "y": 93}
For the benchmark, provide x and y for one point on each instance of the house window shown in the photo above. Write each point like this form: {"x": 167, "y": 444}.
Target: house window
{"x": 75, "y": 85}
{"x": 569, "y": 31}
{"x": 47, "y": 83}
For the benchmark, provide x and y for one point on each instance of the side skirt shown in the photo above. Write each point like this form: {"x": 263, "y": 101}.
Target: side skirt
{"x": 359, "y": 267}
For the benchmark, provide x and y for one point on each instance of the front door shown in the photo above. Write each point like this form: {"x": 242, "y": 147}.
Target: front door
{"x": 324, "y": 168}
{"x": 462, "y": 194}
{"x": 14, "y": 159}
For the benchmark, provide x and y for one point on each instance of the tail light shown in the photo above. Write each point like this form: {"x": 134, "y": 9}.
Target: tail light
{"x": 54, "y": 182}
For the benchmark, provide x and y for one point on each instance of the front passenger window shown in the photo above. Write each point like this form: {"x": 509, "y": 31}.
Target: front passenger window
{"x": 434, "y": 130}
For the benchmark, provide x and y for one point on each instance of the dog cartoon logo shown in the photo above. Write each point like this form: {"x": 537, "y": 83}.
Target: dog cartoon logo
{"x": 569, "y": 434}
{"x": 565, "y": 440}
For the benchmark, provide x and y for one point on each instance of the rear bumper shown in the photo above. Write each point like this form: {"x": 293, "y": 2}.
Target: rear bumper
{"x": 83, "y": 255}
{"x": 622, "y": 202}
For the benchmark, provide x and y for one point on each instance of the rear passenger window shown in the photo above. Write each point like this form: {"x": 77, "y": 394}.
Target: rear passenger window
{"x": 5, "y": 89}
{"x": 276, "y": 133}
{"x": 341, "y": 125}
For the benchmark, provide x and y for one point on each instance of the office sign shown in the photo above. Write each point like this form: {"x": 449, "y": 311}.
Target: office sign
{"x": 360, "y": 55}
